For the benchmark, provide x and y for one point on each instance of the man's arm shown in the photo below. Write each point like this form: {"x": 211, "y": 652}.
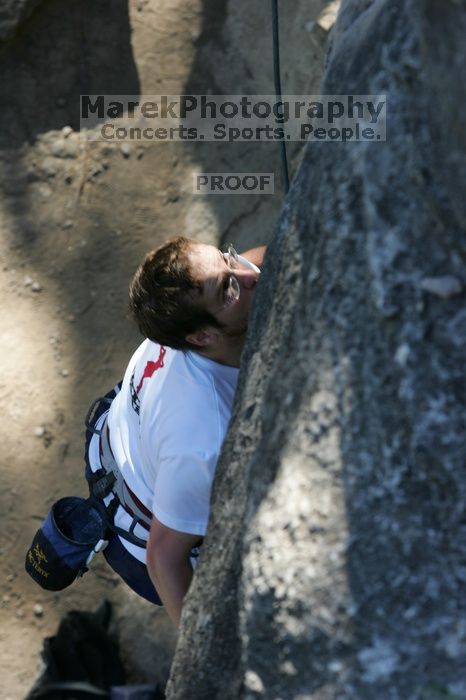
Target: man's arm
{"x": 169, "y": 566}
{"x": 255, "y": 255}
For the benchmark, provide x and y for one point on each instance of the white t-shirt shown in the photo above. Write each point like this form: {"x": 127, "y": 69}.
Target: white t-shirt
{"x": 167, "y": 426}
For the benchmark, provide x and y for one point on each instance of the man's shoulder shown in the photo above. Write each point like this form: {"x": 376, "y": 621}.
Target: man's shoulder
{"x": 180, "y": 391}
{"x": 198, "y": 373}
{"x": 187, "y": 420}
{"x": 185, "y": 391}
{"x": 190, "y": 391}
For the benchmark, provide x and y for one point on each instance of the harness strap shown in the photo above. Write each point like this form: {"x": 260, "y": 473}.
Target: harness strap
{"x": 88, "y": 421}
{"x": 108, "y": 479}
{"x": 128, "y": 499}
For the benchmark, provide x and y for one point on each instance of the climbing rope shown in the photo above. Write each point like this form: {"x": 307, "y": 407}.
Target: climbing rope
{"x": 278, "y": 90}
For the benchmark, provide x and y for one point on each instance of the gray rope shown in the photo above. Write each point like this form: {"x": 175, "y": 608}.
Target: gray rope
{"x": 278, "y": 89}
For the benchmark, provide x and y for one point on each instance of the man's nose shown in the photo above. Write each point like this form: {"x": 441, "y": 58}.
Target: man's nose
{"x": 247, "y": 278}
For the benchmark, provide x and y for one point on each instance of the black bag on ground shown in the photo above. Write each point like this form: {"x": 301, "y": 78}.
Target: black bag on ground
{"x": 82, "y": 661}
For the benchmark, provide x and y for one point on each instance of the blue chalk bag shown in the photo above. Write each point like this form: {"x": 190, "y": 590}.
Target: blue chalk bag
{"x": 66, "y": 542}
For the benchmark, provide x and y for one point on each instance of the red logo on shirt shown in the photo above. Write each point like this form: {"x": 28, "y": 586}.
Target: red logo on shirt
{"x": 151, "y": 367}
{"x": 149, "y": 370}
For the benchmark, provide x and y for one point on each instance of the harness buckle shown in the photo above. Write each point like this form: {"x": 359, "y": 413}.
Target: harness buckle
{"x": 101, "y": 483}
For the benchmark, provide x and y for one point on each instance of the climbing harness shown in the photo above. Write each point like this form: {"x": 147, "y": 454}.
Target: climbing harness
{"x": 109, "y": 479}
{"x": 278, "y": 89}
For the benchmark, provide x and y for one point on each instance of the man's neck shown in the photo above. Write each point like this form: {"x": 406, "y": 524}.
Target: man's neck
{"x": 225, "y": 353}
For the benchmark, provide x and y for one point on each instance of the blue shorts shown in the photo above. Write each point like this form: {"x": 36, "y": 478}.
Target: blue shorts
{"x": 132, "y": 571}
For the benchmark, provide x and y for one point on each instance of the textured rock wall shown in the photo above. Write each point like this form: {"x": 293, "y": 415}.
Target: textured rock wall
{"x": 335, "y": 563}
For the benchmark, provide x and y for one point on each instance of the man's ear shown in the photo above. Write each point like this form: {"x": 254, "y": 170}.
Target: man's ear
{"x": 201, "y": 338}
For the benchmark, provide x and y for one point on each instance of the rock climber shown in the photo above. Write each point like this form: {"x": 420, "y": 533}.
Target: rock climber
{"x": 160, "y": 431}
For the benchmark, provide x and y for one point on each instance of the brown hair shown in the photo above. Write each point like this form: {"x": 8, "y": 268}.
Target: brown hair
{"x": 163, "y": 294}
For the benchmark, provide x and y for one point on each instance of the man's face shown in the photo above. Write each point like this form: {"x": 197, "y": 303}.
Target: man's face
{"x": 211, "y": 270}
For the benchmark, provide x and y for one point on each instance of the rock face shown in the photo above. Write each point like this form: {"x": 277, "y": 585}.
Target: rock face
{"x": 12, "y": 13}
{"x": 335, "y": 563}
